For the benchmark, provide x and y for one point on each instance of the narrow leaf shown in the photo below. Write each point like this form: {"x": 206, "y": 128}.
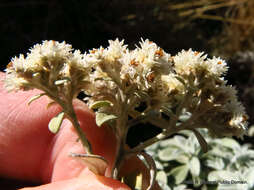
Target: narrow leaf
{"x": 55, "y": 123}
{"x": 221, "y": 175}
{"x": 103, "y": 78}
{"x": 194, "y": 166}
{"x": 180, "y": 173}
{"x": 97, "y": 164}
{"x": 230, "y": 143}
{"x": 162, "y": 177}
{"x": 51, "y": 104}
{"x": 180, "y": 187}
{"x": 100, "y": 103}
{"x": 180, "y": 79}
{"x": 101, "y": 118}
{"x": 201, "y": 140}
{"x": 59, "y": 82}
{"x": 35, "y": 98}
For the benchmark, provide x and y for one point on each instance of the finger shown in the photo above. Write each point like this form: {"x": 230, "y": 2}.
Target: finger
{"x": 24, "y": 136}
{"x": 39, "y": 155}
{"x": 29, "y": 151}
{"x": 84, "y": 183}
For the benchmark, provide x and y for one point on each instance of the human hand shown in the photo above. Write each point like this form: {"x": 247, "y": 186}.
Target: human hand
{"x": 28, "y": 151}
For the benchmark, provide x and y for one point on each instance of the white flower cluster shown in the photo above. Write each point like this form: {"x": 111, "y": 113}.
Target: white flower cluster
{"x": 51, "y": 67}
{"x": 187, "y": 82}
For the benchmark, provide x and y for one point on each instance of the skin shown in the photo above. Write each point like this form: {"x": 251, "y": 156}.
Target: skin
{"x": 29, "y": 151}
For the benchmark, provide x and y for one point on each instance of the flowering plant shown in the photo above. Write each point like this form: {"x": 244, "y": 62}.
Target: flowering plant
{"x": 182, "y": 92}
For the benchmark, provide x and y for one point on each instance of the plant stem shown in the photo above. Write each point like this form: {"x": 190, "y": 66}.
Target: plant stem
{"x": 118, "y": 160}
{"x": 69, "y": 111}
{"x": 149, "y": 142}
{"x": 81, "y": 134}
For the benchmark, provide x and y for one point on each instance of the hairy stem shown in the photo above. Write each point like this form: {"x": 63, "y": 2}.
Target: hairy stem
{"x": 153, "y": 140}
{"x": 79, "y": 131}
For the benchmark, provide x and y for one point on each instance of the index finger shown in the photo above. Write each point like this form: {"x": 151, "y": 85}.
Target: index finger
{"x": 29, "y": 151}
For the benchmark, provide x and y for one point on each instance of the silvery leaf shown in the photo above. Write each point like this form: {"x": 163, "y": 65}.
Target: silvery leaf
{"x": 99, "y": 104}
{"x": 102, "y": 118}
{"x": 59, "y": 82}
{"x": 180, "y": 187}
{"x": 180, "y": 173}
{"x": 97, "y": 164}
{"x": 194, "y": 166}
{"x": 35, "y": 97}
{"x": 228, "y": 142}
{"x": 221, "y": 175}
{"x": 56, "y": 122}
{"x": 168, "y": 154}
{"x": 162, "y": 177}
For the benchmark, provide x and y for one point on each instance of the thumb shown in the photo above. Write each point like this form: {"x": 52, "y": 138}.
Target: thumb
{"x": 84, "y": 182}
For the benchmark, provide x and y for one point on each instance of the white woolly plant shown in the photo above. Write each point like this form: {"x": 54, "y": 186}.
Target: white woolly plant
{"x": 117, "y": 80}
{"x": 182, "y": 165}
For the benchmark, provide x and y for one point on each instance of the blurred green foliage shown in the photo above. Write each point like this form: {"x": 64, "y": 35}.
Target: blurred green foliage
{"x": 182, "y": 164}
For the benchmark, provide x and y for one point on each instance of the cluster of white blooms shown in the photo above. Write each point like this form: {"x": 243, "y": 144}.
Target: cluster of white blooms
{"x": 188, "y": 81}
{"x": 52, "y": 67}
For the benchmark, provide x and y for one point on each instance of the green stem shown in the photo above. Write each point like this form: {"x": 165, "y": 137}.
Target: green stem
{"x": 81, "y": 134}
{"x": 69, "y": 111}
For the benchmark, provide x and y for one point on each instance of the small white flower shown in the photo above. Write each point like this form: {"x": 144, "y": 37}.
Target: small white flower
{"x": 115, "y": 50}
{"x": 172, "y": 83}
{"x": 217, "y": 66}
{"x": 51, "y": 49}
{"x": 188, "y": 61}
{"x": 15, "y": 83}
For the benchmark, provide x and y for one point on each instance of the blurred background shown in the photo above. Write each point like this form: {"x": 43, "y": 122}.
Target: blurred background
{"x": 222, "y": 28}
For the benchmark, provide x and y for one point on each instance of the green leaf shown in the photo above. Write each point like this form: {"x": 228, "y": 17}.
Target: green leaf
{"x": 55, "y": 122}
{"x": 35, "y": 98}
{"x": 102, "y": 118}
{"x": 184, "y": 117}
{"x": 221, "y": 175}
{"x": 180, "y": 173}
{"x": 215, "y": 163}
{"x": 180, "y": 187}
{"x": 230, "y": 143}
{"x": 51, "y": 104}
{"x": 162, "y": 177}
{"x": 194, "y": 166}
{"x": 100, "y": 103}
{"x": 177, "y": 141}
{"x": 103, "y": 78}
{"x": 168, "y": 154}
{"x": 97, "y": 164}
{"x": 183, "y": 158}
{"x": 180, "y": 79}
